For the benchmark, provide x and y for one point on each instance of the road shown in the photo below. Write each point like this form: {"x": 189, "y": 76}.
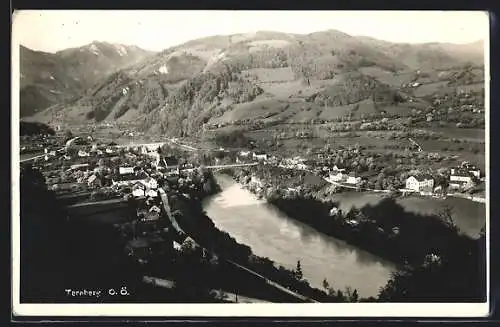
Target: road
{"x": 228, "y": 296}
{"x": 231, "y": 165}
{"x": 103, "y": 202}
{"x": 39, "y": 156}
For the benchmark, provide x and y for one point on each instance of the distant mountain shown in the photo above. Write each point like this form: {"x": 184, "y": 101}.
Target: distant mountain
{"x": 271, "y": 76}
{"x": 50, "y": 78}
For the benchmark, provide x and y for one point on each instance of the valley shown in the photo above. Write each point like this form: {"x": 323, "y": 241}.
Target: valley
{"x": 368, "y": 156}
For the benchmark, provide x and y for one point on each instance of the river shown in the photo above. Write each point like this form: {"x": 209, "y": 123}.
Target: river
{"x": 270, "y": 233}
{"x": 469, "y": 216}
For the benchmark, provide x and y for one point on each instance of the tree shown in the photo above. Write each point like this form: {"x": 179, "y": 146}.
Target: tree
{"x": 298, "y": 271}
{"x": 68, "y": 135}
{"x": 355, "y": 296}
{"x": 326, "y": 285}
{"x": 446, "y": 216}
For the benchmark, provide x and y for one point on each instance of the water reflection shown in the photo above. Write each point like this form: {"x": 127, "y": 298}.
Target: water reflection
{"x": 270, "y": 233}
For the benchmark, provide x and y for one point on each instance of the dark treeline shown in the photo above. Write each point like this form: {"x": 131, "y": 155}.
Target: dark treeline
{"x": 61, "y": 251}
{"x": 35, "y": 128}
{"x": 234, "y": 139}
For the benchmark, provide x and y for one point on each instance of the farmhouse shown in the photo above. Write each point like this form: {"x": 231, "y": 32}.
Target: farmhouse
{"x": 336, "y": 176}
{"x": 129, "y": 179}
{"x": 420, "y": 183}
{"x": 245, "y": 153}
{"x": 467, "y": 167}
{"x": 138, "y": 190}
{"x": 150, "y": 182}
{"x": 461, "y": 179}
{"x": 260, "y": 156}
{"x": 83, "y": 153}
{"x": 152, "y": 193}
{"x": 338, "y": 169}
{"x": 460, "y": 176}
{"x": 126, "y": 170}
{"x": 353, "y": 179}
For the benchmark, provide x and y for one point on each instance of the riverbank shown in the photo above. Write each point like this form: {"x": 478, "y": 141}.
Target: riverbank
{"x": 271, "y": 233}
{"x": 197, "y": 224}
{"x": 384, "y": 229}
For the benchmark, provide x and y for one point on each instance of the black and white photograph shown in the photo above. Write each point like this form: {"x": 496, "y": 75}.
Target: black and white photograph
{"x": 250, "y": 163}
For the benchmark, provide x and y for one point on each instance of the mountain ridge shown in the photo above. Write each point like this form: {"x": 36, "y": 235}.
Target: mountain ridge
{"x": 245, "y": 76}
{"x": 49, "y": 78}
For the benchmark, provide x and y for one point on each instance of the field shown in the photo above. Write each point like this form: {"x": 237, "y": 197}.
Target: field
{"x": 471, "y": 134}
{"x": 428, "y": 89}
{"x": 386, "y": 77}
{"x": 277, "y": 75}
{"x": 252, "y": 110}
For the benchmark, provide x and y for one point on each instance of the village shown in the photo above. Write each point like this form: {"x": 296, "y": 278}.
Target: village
{"x": 463, "y": 180}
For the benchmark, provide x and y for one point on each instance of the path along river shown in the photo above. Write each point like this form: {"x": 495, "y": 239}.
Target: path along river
{"x": 270, "y": 233}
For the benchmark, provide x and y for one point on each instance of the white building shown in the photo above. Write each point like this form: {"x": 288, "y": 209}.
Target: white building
{"x": 155, "y": 209}
{"x": 467, "y": 167}
{"x": 138, "y": 190}
{"x": 151, "y": 183}
{"x": 260, "y": 156}
{"x": 420, "y": 183}
{"x": 353, "y": 179}
{"x": 458, "y": 176}
{"x": 152, "y": 193}
{"x": 460, "y": 179}
{"x": 336, "y": 177}
{"x": 130, "y": 179}
{"x": 126, "y": 170}
{"x": 302, "y": 166}
{"x": 337, "y": 169}
{"x": 83, "y": 153}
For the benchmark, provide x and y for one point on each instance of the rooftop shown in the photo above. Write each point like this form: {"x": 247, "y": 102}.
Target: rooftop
{"x": 132, "y": 176}
{"x": 422, "y": 177}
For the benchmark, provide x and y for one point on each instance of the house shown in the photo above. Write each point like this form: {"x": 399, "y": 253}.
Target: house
{"x": 334, "y": 211}
{"x": 302, "y": 166}
{"x": 245, "y": 153}
{"x": 126, "y": 170}
{"x": 152, "y": 193}
{"x": 130, "y": 179}
{"x": 420, "y": 183}
{"x": 460, "y": 176}
{"x": 353, "y": 179}
{"x": 138, "y": 190}
{"x": 79, "y": 166}
{"x": 155, "y": 209}
{"x": 337, "y": 169}
{"x": 83, "y": 153}
{"x": 336, "y": 177}
{"x": 151, "y": 216}
{"x": 466, "y": 166}
{"x": 150, "y": 183}
{"x": 259, "y": 156}
{"x": 460, "y": 185}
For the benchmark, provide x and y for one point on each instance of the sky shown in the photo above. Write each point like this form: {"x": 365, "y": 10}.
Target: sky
{"x": 54, "y": 30}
